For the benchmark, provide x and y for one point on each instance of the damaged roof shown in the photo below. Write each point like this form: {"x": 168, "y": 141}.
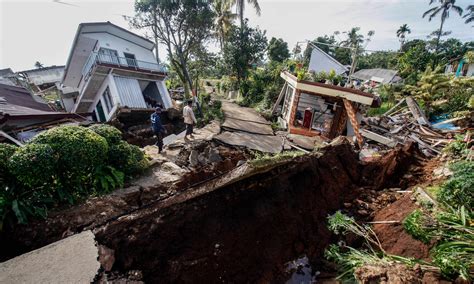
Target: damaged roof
{"x": 19, "y": 97}
{"x": 377, "y": 74}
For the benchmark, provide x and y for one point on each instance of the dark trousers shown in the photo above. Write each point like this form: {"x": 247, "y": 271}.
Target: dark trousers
{"x": 189, "y": 129}
{"x": 159, "y": 140}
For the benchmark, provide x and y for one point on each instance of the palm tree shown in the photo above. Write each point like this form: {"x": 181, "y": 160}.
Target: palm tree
{"x": 401, "y": 34}
{"x": 224, "y": 19}
{"x": 241, "y": 8}
{"x": 444, "y": 7}
{"x": 470, "y": 14}
{"x": 354, "y": 41}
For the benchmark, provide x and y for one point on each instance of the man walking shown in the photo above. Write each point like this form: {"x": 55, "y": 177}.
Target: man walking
{"x": 158, "y": 128}
{"x": 189, "y": 119}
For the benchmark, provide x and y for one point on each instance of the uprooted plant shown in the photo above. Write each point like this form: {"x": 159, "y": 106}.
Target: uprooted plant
{"x": 349, "y": 259}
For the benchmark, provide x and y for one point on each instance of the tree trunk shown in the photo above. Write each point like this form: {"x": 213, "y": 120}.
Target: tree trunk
{"x": 155, "y": 32}
{"x": 439, "y": 34}
{"x": 184, "y": 68}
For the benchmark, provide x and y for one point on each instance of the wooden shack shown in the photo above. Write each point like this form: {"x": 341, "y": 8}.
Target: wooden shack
{"x": 311, "y": 109}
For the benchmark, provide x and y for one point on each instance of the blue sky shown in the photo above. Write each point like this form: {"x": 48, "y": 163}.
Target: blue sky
{"x": 43, "y": 30}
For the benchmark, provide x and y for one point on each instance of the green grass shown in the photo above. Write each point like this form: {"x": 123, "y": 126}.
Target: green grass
{"x": 261, "y": 160}
{"x": 381, "y": 110}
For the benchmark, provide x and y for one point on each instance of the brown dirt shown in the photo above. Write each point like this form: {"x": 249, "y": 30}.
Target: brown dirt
{"x": 392, "y": 274}
{"x": 393, "y": 236}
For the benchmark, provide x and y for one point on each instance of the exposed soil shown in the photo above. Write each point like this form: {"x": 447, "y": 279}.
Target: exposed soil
{"x": 241, "y": 226}
{"x": 393, "y": 236}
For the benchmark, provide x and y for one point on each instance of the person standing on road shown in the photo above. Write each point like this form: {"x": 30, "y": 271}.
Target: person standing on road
{"x": 158, "y": 128}
{"x": 189, "y": 119}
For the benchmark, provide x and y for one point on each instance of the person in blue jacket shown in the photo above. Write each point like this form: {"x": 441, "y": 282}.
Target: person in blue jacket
{"x": 158, "y": 128}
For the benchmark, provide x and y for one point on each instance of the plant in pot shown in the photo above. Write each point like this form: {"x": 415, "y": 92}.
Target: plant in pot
{"x": 331, "y": 76}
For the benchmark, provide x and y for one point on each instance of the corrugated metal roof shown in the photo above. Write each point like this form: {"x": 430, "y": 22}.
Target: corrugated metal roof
{"x": 388, "y": 76}
{"x": 18, "y": 96}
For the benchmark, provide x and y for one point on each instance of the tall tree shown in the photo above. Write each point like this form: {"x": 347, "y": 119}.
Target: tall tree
{"x": 356, "y": 42}
{"x": 240, "y": 4}
{"x": 470, "y": 14}
{"x": 223, "y": 19}
{"x": 278, "y": 50}
{"x": 445, "y": 6}
{"x": 244, "y": 47}
{"x": 402, "y": 32}
{"x": 324, "y": 43}
{"x": 183, "y": 26}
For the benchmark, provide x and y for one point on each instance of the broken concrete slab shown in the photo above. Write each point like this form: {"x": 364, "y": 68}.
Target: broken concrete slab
{"x": 262, "y": 143}
{"x": 247, "y": 126}
{"x": 306, "y": 142}
{"x": 71, "y": 260}
{"x": 235, "y": 111}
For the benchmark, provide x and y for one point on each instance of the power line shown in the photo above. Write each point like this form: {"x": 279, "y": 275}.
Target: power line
{"x": 313, "y": 44}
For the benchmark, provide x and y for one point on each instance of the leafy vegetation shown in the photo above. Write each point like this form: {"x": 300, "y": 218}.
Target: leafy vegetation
{"x": 244, "y": 47}
{"x": 261, "y": 160}
{"x": 349, "y": 259}
{"x": 211, "y": 110}
{"x": 458, "y": 190}
{"x": 454, "y": 235}
{"x": 63, "y": 165}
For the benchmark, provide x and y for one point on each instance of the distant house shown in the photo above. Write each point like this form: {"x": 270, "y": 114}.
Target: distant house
{"x": 43, "y": 78}
{"x": 7, "y": 77}
{"x": 113, "y": 68}
{"x": 459, "y": 67}
{"x": 19, "y": 108}
{"x": 321, "y": 61}
{"x": 378, "y": 75}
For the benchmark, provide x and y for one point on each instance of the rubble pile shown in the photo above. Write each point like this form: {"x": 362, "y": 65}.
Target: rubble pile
{"x": 406, "y": 122}
{"x": 135, "y": 124}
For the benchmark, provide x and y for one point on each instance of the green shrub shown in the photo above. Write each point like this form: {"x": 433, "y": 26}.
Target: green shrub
{"x": 110, "y": 133}
{"x": 34, "y": 165}
{"x": 6, "y": 151}
{"x": 457, "y": 148}
{"x": 78, "y": 149}
{"x": 459, "y": 189}
{"x": 127, "y": 158}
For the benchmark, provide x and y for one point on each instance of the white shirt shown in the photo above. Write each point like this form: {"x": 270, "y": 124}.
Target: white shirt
{"x": 188, "y": 115}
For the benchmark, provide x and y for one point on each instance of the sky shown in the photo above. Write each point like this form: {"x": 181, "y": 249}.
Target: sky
{"x": 43, "y": 30}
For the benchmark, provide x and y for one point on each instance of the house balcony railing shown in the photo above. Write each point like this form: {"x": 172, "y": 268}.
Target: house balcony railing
{"x": 128, "y": 63}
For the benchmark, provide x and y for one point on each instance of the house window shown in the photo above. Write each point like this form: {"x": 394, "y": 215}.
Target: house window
{"x": 110, "y": 56}
{"x": 109, "y": 103}
{"x": 131, "y": 61}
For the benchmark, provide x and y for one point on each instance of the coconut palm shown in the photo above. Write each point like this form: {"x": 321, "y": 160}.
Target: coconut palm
{"x": 224, "y": 19}
{"x": 240, "y": 4}
{"x": 401, "y": 34}
{"x": 445, "y": 6}
{"x": 470, "y": 14}
{"x": 354, "y": 41}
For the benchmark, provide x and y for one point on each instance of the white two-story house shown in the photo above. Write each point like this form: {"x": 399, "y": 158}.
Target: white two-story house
{"x": 112, "y": 68}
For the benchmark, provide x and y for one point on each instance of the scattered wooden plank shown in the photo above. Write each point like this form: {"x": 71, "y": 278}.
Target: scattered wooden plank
{"x": 378, "y": 138}
{"x": 416, "y": 111}
{"x": 280, "y": 97}
{"x": 424, "y": 144}
{"x": 394, "y": 107}
{"x": 4, "y": 134}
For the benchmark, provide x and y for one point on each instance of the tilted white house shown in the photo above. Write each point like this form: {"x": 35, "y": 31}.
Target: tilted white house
{"x": 112, "y": 68}
{"x": 321, "y": 61}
